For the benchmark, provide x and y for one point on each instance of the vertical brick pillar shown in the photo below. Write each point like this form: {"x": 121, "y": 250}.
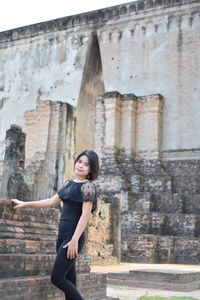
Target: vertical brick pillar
{"x": 37, "y": 131}
{"x": 48, "y": 130}
{"x": 149, "y": 126}
{"x": 107, "y": 141}
{"x": 100, "y": 120}
{"x": 113, "y": 103}
{"x": 128, "y": 124}
{"x": 13, "y": 184}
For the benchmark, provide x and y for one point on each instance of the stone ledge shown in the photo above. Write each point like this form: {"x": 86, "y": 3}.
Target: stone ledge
{"x": 24, "y": 246}
{"x": 91, "y": 285}
{"x": 17, "y": 265}
{"x": 160, "y": 223}
{"x": 93, "y": 18}
{"x": 158, "y": 279}
{"x": 146, "y": 248}
{"x": 33, "y": 215}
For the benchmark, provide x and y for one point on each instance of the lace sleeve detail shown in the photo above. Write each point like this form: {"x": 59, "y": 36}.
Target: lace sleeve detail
{"x": 88, "y": 190}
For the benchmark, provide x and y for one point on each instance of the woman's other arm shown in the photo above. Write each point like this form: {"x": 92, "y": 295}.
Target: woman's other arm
{"x": 45, "y": 203}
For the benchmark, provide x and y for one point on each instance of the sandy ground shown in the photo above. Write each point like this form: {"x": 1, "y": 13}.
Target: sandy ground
{"x": 128, "y": 293}
{"x": 128, "y": 266}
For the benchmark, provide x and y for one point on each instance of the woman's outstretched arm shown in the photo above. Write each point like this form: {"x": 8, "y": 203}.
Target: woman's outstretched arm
{"x": 45, "y": 203}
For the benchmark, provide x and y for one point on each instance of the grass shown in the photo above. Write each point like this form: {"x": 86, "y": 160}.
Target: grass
{"x": 164, "y": 298}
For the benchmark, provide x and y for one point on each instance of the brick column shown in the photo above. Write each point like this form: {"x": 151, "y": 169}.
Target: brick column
{"x": 113, "y": 103}
{"x": 13, "y": 185}
{"x": 149, "y": 126}
{"x": 107, "y": 141}
{"x": 128, "y": 124}
{"x": 37, "y": 124}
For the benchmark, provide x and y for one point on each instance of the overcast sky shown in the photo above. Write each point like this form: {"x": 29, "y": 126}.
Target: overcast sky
{"x": 17, "y": 13}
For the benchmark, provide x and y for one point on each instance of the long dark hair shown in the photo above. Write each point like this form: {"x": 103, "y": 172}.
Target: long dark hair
{"x": 93, "y": 160}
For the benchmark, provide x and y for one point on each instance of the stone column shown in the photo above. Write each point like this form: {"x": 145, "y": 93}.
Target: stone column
{"x": 128, "y": 125}
{"x": 149, "y": 127}
{"x": 113, "y": 103}
{"x": 13, "y": 185}
{"x": 108, "y": 133}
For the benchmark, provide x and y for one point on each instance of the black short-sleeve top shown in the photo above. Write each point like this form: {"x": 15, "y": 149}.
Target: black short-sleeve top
{"x": 73, "y": 193}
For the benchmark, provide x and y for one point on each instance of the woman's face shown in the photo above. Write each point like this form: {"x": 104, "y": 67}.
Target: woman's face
{"x": 81, "y": 167}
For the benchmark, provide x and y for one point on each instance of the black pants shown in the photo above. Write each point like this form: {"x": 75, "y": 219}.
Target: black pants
{"x": 63, "y": 274}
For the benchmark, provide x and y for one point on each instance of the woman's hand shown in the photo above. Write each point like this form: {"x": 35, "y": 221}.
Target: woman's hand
{"x": 19, "y": 204}
{"x": 72, "y": 250}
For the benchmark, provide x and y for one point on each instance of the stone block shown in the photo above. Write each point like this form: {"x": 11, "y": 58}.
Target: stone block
{"x": 140, "y": 248}
{"x": 26, "y": 230}
{"x": 137, "y": 183}
{"x": 181, "y": 225}
{"x": 187, "y": 250}
{"x": 167, "y": 202}
{"x": 191, "y": 203}
{"x": 91, "y": 285}
{"x": 173, "y": 280}
{"x": 18, "y": 265}
{"x": 14, "y": 246}
{"x": 156, "y": 223}
{"x": 134, "y": 223}
{"x": 165, "y": 249}
{"x": 140, "y": 202}
{"x": 156, "y": 184}
{"x": 186, "y": 183}
{"x": 185, "y": 175}
{"x": 32, "y": 215}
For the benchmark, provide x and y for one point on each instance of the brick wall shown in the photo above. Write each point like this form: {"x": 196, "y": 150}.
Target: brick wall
{"x": 27, "y": 253}
{"x": 46, "y": 130}
{"x": 100, "y": 245}
{"x": 158, "y": 200}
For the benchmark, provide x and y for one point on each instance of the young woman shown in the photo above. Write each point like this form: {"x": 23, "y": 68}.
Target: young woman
{"x": 79, "y": 200}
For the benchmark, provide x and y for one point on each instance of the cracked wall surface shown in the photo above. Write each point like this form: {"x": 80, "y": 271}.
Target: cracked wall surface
{"x": 146, "y": 47}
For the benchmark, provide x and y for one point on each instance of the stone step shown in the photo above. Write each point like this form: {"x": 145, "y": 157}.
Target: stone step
{"x": 91, "y": 285}
{"x": 27, "y": 230}
{"x": 159, "y": 279}
{"x": 160, "y": 224}
{"x": 165, "y": 202}
{"x": 31, "y": 288}
{"x": 32, "y": 215}
{"x": 146, "y": 248}
{"x": 18, "y": 246}
{"x": 17, "y": 265}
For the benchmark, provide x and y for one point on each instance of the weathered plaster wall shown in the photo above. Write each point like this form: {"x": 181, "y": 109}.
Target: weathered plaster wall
{"x": 46, "y": 67}
{"x": 92, "y": 85}
{"x": 157, "y": 52}
{"x": 146, "y": 47}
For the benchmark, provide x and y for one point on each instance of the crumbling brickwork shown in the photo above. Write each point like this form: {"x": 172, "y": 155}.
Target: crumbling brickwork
{"x": 146, "y": 129}
{"x": 100, "y": 244}
{"x": 27, "y": 253}
{"x": 13, "y": 183}
{"x": 159, "y": 199}
{"x": 28, "y": 236}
